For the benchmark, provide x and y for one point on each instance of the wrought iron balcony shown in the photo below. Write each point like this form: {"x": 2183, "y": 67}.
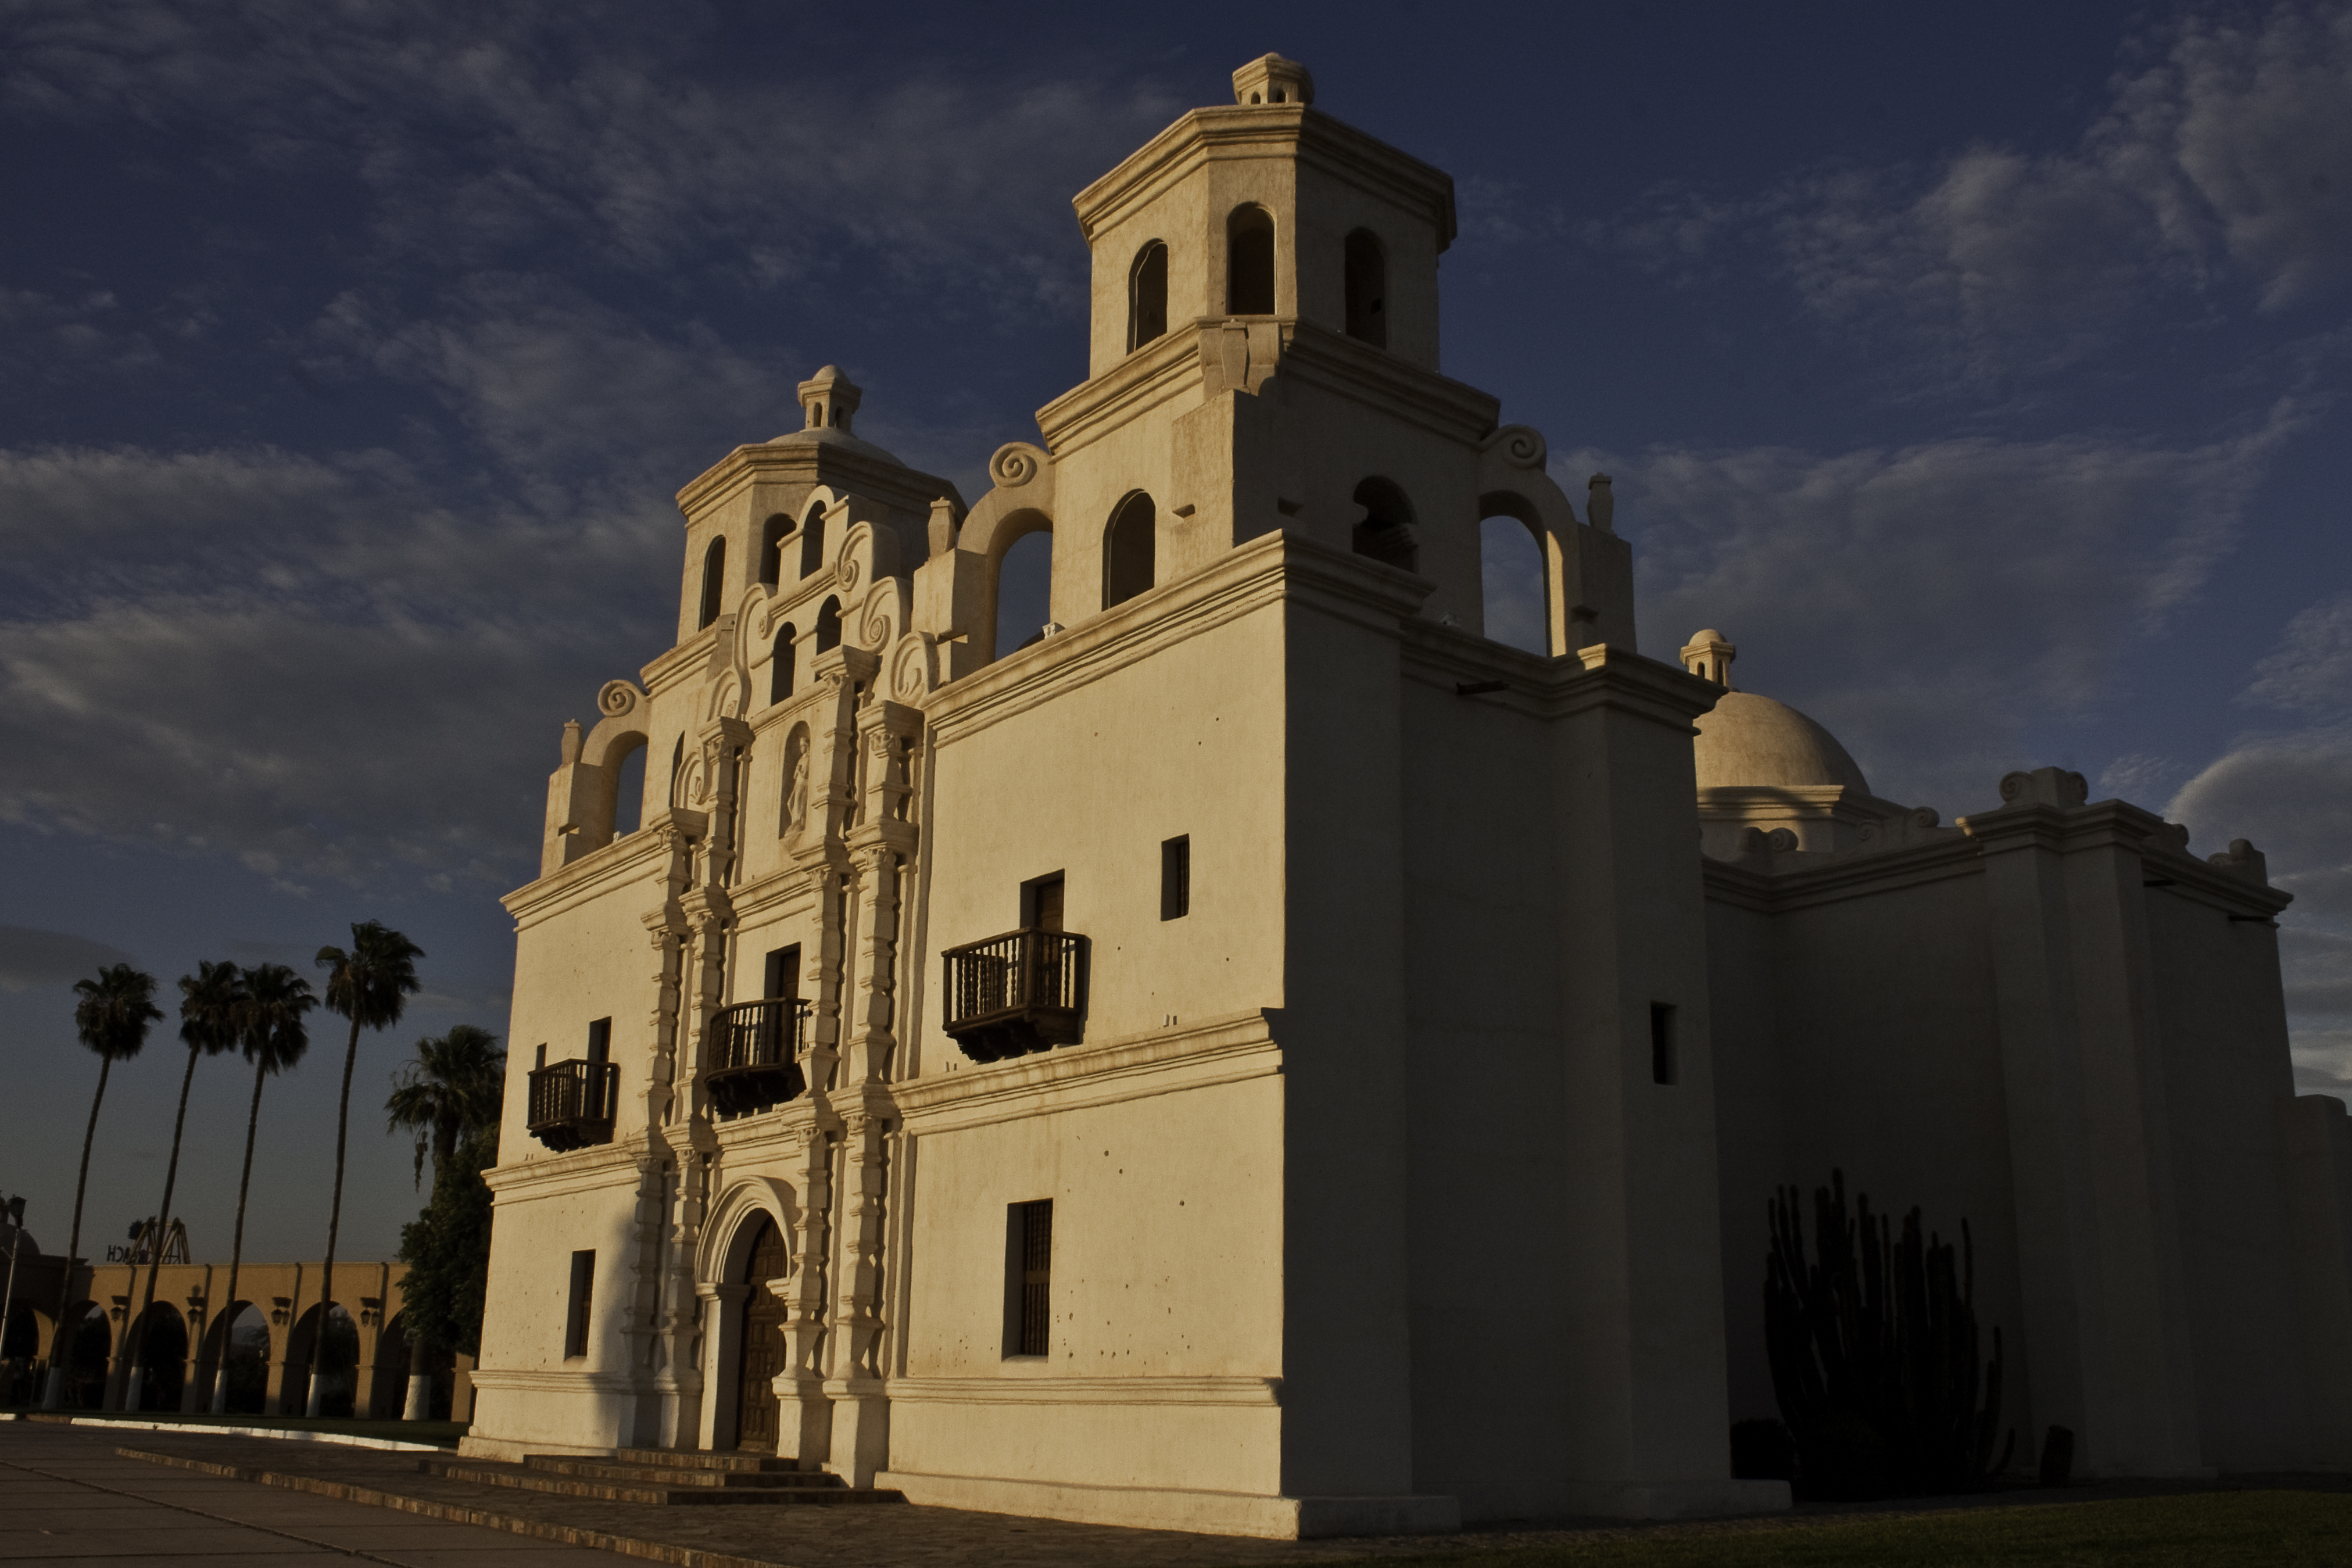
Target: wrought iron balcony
{"x": 753, "y": 1059}
{"x": 1025, "y": 991}
{"x": 571, "y": 1103}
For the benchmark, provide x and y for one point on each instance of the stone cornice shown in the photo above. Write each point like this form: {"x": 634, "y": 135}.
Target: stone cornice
{"x": 579, "y": 1171}
{"x": 625, "y": 860}
{"x": 1220, "y": 1050}
{"x": 1272, "y": 568}
{"x": 1167, "y": 367}
{"x": 841, "y": 468}
{"x": 1330, "y": 146}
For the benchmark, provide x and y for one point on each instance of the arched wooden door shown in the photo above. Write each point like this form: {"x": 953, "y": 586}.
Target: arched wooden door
{"x": 760, "y": 1354}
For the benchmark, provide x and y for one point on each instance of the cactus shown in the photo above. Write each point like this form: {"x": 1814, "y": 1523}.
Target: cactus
{"x": 1874, "y": 1348}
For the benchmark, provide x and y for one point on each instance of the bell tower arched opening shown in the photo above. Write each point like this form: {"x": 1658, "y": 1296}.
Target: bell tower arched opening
{"x": 1249, "y": 261}
{"x": 1128, "y": 549}
{"x": 714, "y": 581}
{"x": 1385, "y": 533}
{"x": 780, "y": 663}
{"x": 1146, "y": 296}
{"x": 1512, "y": 590}
{"x": 828, "y": 625}
{"x": 771, "y": 548}
{"x": 812, "y": 541}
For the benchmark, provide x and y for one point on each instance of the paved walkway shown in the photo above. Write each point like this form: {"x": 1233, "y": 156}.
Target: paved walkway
{"x": 65, "y": 1498}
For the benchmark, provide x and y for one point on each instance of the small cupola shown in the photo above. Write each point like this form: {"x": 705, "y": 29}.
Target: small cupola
{"x": 830, "y": 399}
{"x": 1708, "y": 655}
{"x": 1270, "y": 78}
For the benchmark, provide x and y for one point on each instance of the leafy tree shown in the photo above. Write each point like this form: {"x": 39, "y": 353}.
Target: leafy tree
{"x": 270, "y": 1033}
{"x": 450, "y": 1095}
{"x": 111, "y": 1019}
{"x": 453, "y": 1089}
{"x": 212, "y": 1001}
{"x": 370, "y": 985}
{"x": 447, "y": 1250}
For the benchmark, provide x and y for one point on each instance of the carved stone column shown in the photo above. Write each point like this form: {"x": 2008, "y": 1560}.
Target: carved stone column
{"x": 806, "y": 1419}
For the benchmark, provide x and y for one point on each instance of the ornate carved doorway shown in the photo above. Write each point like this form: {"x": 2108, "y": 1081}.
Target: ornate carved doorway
{"x": 760, "y": 1354}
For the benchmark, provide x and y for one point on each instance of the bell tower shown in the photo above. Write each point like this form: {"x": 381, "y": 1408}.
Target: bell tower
{"x": 1269, "y": 209}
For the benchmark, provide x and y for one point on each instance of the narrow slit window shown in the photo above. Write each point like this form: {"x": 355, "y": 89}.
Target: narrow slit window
{"x": 600, "y": 1040}
{"x": 1176, "y": 878}
{"x": 575, "y": 1316}
{"x": 539, "y": 1058}
{"x": 1028, "y": 1277}
{"x": 1365, "y": 271}
{"x": 1663, "y": 1069}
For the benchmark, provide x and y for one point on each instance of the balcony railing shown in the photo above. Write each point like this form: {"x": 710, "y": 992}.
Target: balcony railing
{"x": 752, "y": 1059}
{"x": 571, "y": 1103}
{"x": 1025, "y": 991}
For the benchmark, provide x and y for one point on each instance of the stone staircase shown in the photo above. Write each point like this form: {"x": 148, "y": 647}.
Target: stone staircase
{"x": 668, "y": 1477}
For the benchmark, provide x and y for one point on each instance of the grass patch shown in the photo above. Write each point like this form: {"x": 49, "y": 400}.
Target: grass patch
{"x": 2204, "y": 1530}
{"x": 444, "y": 1433}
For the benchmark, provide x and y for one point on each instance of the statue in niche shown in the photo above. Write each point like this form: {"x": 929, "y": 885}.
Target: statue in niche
{"x": 796, "y": 793}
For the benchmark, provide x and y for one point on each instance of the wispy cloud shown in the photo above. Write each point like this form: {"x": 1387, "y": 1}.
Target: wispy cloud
{"x": 2220, "y": 158}
{"x": 1928, "y": 602}
{"x": 31, "y": 957}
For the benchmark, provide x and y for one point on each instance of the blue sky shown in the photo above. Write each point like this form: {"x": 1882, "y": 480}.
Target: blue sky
{"x": 1978, "y": 369}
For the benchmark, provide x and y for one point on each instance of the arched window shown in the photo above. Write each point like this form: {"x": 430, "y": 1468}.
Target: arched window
{"x": 772, "y": 549}
{"x": 629, "y": 788}
{"x": 714, "y": 581}
{"x": 1025, "y": 591}
{"x": 1146, "y": 296}
{"x": 1367, "y": 269}
{"x": 1386, "y": 531}
{"x": 780, "y": 665}
{"x": 828, "y": 625}
{"x": 812, "y": 541}
{"x": 1249, "y": 262}
{"x": 1128, "y": 549}
{"x": 1511, "y": 583}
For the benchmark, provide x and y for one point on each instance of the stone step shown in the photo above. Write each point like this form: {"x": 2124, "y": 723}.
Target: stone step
{"x": 522, "y": 1478}
{"x": 702, "y": 1460}
{"x": 673, "y": 1475}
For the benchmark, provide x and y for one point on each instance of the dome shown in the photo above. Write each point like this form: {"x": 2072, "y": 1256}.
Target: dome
{"x": 1753, "y": 741}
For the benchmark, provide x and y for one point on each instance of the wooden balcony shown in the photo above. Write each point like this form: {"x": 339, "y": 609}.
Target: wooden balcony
{"x": 571, "y": 1103}
{"x": 1025, "y": 991}
{"x": 752, "y": 1059}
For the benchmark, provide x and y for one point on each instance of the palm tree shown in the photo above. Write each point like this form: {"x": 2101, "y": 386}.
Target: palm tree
{"x": 210, "y": 1002}
{"x": 452, "y": 1091}
{"x": 370, "y": 985}
{"x": 270, "y": 1031}
{"x": 111, "y": 1019}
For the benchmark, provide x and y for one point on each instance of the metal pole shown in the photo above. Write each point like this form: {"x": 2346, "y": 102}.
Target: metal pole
{"x": 16, "y": 1210}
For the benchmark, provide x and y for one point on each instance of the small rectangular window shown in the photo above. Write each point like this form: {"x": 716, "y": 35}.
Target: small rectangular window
{"x": 1176, "y": 879}
{"x": 1662, "y": 1043}
{"x": 538, "y": 1058}
{"x": 600, "y": 1040}
{"x": 575, "y": 1317}
{"x": 783, "y": 973}
{"x": 1028, "y": 1277}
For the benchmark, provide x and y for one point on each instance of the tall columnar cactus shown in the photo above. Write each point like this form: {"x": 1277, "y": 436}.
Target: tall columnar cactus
{"x": 1875, "y": 1355}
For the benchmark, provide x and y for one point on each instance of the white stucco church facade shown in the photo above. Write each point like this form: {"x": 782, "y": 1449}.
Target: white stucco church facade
{"x": 1264, "y": 1058}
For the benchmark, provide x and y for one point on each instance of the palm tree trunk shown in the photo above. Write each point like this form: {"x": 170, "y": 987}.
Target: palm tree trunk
{"x": 236, "y": 1248}
{"x": 334, "y": 1219}
{"x": 163, "y": 1228}
{"x": 54, "y": 1394}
